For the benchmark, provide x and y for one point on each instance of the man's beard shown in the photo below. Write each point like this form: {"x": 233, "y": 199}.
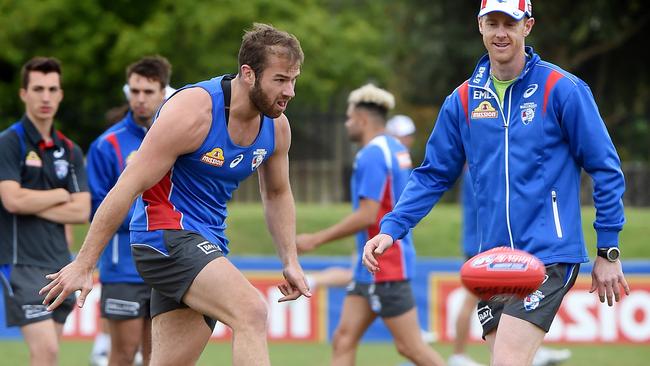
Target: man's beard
{"x": 262, "y": 102}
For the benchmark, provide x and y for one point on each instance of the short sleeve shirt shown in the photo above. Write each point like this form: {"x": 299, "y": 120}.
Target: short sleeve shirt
{"x": 28, "y": 160}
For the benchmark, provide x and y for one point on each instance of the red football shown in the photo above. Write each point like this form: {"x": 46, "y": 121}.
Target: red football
{"x": 502, "y": 271}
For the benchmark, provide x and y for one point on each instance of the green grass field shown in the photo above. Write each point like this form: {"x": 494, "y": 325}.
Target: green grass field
{"x": 75, "y": 353}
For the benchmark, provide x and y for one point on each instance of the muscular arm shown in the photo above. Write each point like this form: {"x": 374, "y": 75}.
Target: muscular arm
{"x": 280, "y": 211}
{"x": 24, "y": 201}
{"x": 76, "y": 211}
{"x": 183, "y": 123}
{"x": 279, "y": 208}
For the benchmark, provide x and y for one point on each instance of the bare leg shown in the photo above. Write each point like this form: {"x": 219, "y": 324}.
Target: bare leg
{"x": 146, "y": 341}
{"x": 222, "y": 292}
{"x": 514, "y": 342}
{"x": 463, "y": 322}
{"x": 408, "y": 341}
{"x": 178, "y": 337}
{"x": 126, "y": 336}
{"x": 42, "y": 341}
{"x": 356, "y": 317}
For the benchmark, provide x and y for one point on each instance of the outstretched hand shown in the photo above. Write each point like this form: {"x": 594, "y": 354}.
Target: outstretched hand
{"x": 295, "y": 284}
{"x": 306, "y": 242}
{"x": 69, "y": 279}
{"x": 373, "y": 249}
{"x": 607, "y": 278}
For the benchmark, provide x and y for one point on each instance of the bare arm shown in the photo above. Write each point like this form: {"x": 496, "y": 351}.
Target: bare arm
{"x": 362, "y": 218}
{"x": 181, "y": 128}
{"x": 76, "y": 211}
{"x": 280, "y": 211}
{"x": 23, "y": 201}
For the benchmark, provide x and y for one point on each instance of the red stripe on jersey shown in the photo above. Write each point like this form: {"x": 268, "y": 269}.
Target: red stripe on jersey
{"x": 160, "y": 212}
{"x": 552, "y": 79}
{"x": 112, "y": 139}
{"x": 392, "y": 261}
{"x": 463, "y": 91}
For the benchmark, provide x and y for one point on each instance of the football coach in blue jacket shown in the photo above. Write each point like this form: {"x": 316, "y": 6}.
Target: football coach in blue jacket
{"x": 526, "y": 129}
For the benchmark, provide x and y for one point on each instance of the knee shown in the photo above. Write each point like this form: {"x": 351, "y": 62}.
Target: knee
{"x": 44, "y": 354}
{"x": 342, "y": 340}
{"x": 405, "y": 349}
{"x": 123, "y": 354}
{"x": 254, "y": 315}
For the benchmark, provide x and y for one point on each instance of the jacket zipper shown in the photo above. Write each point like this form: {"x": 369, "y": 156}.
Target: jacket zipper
{"x": 506, "y": 121}
{"x": 556, "y": 215}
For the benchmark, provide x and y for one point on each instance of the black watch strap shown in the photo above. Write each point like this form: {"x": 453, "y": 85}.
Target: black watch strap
{"x": 611, "y": 253}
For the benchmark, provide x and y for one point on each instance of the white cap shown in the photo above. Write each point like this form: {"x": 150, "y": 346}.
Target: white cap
{"x": 400, "y": 126}
{"x": 168, "y": 91}
{"x": 515, "y": 8}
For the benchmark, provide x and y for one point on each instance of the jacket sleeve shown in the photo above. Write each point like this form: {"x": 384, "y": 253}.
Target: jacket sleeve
{"x": 593, "y": 149}
{"x": 103, "y": 172}
{"x": 443, "y": 163}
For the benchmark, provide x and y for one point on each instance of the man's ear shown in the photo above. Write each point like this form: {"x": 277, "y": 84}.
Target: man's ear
{"x": 528, "y": 26}
{"x": 247, "y": 74}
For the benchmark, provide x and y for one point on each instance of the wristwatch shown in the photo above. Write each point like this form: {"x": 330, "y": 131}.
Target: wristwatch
{"x": 611, "y": 253}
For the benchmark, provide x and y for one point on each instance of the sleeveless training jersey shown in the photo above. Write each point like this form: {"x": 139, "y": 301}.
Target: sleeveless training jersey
{"x": 381, "y": 170}
{"x": 193, "y": 194}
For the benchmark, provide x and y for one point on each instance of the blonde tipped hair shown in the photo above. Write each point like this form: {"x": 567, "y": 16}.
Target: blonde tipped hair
{"x": 370, "y": 94}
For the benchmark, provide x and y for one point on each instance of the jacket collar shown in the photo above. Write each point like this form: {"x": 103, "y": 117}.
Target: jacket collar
{"x": 34, "y": 136}
{"x": 133, "y": 126}
{"x": 481, "y": 75}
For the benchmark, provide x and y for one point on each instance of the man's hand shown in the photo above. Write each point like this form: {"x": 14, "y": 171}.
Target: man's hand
{"x": 306, "y": 242}
{"x": 70, "y": 278}
{"x": 294, "y": 285}
{"x": 374, "y": 248}
{"x": 607, "y": 277}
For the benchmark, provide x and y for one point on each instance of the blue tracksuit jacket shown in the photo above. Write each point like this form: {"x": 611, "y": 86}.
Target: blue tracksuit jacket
{"x": 107, "y": 158}
{"x": 525, "y": 159}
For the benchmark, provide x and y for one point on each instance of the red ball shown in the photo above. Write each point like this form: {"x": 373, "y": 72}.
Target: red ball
{"x": 502, "y": 272}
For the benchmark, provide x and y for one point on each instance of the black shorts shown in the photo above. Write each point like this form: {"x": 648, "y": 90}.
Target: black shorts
{"x": 23, "y": 304}
{"x": 168, "y": 261}
{"x": 386, "y": 299}
{"x": 124, "y": 301}
{"x": 538, "y": 308}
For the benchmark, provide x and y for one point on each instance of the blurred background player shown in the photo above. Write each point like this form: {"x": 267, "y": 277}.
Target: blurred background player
{"x": 402, "y": 128}
{"x": 125, "y": 297}
{"x": 42, "y": 188}
{"x": 381, "y": 170}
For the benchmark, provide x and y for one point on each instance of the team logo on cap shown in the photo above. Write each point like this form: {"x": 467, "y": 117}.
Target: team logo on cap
{"x": 484, "y": 110}
{"x": 214, "y": 157}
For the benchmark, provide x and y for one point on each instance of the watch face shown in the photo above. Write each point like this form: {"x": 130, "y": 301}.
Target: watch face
{"x": 613, "y": 254}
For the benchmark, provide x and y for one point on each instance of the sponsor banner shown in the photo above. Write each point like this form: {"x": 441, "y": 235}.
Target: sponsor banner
{"x": 582, "y": 318}
{"x": 302, "y": 320}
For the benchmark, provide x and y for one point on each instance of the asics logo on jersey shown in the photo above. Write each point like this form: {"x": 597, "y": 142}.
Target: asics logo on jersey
{"x": 532, "y": 88}
{"x": 58, "y": 153}
{"x": 214, "y": 157}
{"x": 236, "y": 160}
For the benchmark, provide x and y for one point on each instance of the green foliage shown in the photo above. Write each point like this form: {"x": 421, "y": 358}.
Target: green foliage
{"x": 96, "y": 40}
